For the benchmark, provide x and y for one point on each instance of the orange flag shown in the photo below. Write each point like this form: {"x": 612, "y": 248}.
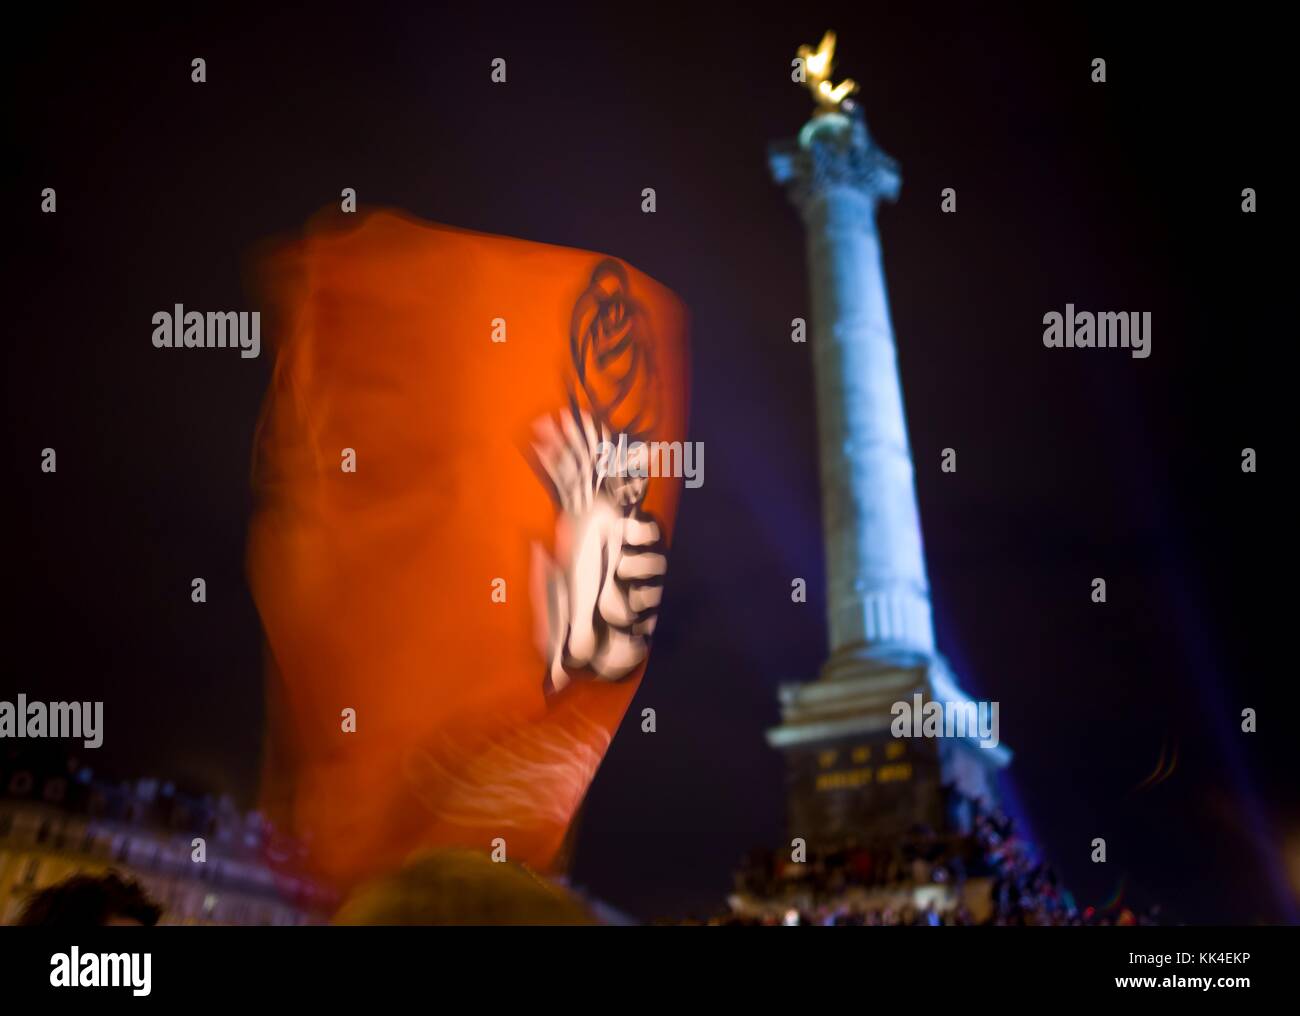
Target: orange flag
{"x": 459, "y": 539}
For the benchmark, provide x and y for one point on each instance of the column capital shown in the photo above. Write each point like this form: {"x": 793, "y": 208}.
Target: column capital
{"x": 834, "y": 150}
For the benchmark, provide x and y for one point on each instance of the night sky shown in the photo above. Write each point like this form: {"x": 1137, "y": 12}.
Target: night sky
{"x": 1071, "y": 463}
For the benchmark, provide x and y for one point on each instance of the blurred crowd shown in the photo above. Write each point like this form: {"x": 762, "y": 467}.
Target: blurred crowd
{"x": 990, "y": 875}
{"x": 919, "y": 879}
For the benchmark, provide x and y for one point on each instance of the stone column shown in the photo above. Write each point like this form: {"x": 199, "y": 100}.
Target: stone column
{"x": 878, "y": 600}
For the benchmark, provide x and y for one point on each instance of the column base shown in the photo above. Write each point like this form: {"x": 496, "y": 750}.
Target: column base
{"x": 849, "y": 779}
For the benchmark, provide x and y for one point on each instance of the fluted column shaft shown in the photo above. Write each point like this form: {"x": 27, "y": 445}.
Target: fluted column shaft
{"x": 878, "y": 600}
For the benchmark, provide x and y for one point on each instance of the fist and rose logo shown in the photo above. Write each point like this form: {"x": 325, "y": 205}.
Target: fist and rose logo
{"x": 598, "y": 598}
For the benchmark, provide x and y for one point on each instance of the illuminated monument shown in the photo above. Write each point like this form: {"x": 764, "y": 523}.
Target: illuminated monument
{"x": 848, "y": 777}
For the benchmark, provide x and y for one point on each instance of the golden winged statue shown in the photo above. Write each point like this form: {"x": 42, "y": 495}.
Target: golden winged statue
{"x": 817, "y": 67}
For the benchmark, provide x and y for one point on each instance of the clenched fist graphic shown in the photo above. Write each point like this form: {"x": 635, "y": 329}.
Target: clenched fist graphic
{"x": 597, "y": 600}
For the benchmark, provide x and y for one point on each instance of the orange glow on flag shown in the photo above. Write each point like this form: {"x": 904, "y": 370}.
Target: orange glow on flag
{"x": 474, "y": 718}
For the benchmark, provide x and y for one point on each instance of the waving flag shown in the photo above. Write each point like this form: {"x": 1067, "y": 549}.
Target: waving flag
{"x": 457, "y": 579}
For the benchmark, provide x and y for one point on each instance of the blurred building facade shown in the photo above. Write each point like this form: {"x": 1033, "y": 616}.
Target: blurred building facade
{"x": 58, "y": 820}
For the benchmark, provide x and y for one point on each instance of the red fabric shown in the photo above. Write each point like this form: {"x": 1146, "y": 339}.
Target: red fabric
{"x": 375, "y": 586}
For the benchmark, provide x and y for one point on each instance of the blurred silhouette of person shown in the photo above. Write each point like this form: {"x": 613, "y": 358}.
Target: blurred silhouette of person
{"x": 453, "y": 887}
{"x": 90, "y": 901}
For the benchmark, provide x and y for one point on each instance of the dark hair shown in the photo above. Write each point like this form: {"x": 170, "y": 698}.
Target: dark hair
{"x": 87, "y": 901}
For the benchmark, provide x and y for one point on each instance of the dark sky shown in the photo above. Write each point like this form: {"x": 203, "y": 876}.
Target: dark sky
{"x": 1072, "y": 464}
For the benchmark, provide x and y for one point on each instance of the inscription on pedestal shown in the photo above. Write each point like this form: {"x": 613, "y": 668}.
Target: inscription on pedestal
{"x": 862, "y": 789}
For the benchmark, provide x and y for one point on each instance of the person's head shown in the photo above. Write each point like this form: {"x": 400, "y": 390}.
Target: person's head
{"x": 88, "y": 901}
{"x": 452, "y": 886}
